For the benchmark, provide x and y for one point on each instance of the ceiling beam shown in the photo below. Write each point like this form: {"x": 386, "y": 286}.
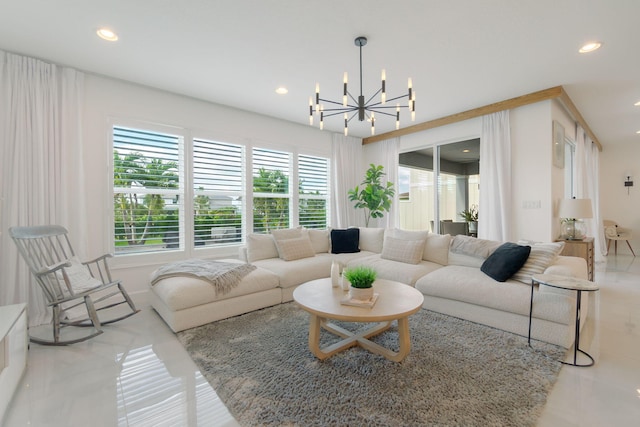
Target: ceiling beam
{"x": 556, "y": 92}
{"x": 573, "y": 110}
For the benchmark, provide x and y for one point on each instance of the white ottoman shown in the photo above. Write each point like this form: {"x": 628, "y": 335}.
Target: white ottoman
{"x": 187, "y": 302}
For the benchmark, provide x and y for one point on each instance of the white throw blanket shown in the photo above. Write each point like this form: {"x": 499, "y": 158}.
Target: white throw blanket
{"x": 224, "y": 276}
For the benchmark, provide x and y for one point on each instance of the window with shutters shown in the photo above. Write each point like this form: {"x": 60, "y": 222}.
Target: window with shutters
{"x": 176, "y": 193}
{"x": 147, "y": 190}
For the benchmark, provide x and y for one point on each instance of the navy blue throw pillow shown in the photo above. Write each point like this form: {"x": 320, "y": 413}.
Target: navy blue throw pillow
{"x": 345, "y": 241}
{"x": 505, "y": 261}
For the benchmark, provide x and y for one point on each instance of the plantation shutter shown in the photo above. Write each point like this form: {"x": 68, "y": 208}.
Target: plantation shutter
{"x": 271, "y": 191}
{"x": 147, "y": 190}
{"x": 313, "y": 174}
{"x": 218, "y": 190}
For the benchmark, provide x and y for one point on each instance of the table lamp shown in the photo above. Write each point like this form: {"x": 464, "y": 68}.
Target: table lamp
{"x": 571, "y": 212}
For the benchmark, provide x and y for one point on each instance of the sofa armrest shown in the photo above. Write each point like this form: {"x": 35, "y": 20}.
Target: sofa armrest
{"x": 569, "y": 266}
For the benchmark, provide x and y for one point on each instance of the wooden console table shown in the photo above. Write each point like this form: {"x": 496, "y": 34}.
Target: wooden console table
{"x": 581, "y": 249}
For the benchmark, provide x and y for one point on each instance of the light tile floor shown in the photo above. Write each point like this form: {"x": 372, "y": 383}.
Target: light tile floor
{"x": 137, "y": 374}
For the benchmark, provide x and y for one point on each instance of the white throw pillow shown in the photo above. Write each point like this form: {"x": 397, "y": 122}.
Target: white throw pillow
{"x": 260, "y": 246}
{"x": 296, "y": 248}
{"x": 371, "y": 239}
{"x": 407, "y": 251}
{"x": 79, "y": 277}
{"x": 436, "y": 248}
{"x": 287, "y": 233}
{"x": 542, "y": 256}
{"x": 479, "y": 248}
{"x": 319, "y": 240}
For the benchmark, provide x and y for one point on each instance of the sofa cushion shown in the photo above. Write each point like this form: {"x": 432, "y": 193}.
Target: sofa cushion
{"x": 294, "y": 273}
{"x": 260, "y": 246}
{"x": 542, "y": 256}
{"x": 406, "y": 251}
{"x": 398, "y": 233}
{"x": 345, "y": 241}
{"x": 394, "y": 270}
{"x": 319, "y": 240}
{"x": 464, "y": 260}
{"x": 180, "y": 293}
{"x": 345, "y": 258}
{"x": 296, "y": 248}
{"x": 371, "y": 239}
{"x": 470, "y": 285}
{"x": 505, "y": 261}
{"x": 436, "y": 248}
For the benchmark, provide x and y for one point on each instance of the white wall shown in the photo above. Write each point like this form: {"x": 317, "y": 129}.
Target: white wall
{"x": 532, "y": 173}
{"x": 106, "y": 99}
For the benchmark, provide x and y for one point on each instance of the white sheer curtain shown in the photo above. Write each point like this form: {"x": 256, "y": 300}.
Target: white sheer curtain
{"x": 346, "y": 162}
{"x": 587, "y": 186}
{"x": 42, "y": 173}
{"x": 494, "y": 221}
{"x": 386, "y": 154}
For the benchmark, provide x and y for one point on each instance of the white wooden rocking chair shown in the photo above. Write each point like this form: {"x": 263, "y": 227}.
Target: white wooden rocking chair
{"x": 69, "y": 284}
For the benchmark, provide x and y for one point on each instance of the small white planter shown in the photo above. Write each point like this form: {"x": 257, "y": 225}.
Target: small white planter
{"x": 362, "y": 294}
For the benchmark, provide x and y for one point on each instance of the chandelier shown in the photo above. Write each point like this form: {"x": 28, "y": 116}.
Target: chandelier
{"x": 364, "y": 110}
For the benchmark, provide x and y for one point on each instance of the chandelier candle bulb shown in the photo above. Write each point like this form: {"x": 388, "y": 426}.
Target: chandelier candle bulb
{"x": 346, "y": 123}
{"x": 383, "y": 96}
{"x": 344, "y": 94}
{"x": 413, "y": 107}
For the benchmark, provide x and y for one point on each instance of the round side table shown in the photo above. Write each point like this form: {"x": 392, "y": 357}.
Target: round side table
{"x": 572, "y": 284}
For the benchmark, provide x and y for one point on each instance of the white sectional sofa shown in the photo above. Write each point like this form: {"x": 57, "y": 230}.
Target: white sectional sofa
{"x": 446, "y": 270}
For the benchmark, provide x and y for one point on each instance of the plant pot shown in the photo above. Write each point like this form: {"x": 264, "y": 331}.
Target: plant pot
{"x": 362, "y": 294}
{"x": 473, "y": 227}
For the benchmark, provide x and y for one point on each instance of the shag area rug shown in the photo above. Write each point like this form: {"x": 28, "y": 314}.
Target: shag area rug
{"x": 458, "y": 373}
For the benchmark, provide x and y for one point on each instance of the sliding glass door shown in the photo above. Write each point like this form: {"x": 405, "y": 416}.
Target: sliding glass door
{"x": 437, "y": 184}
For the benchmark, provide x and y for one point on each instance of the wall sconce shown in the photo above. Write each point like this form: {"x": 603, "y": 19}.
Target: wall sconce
{"x": 628, "y": 183}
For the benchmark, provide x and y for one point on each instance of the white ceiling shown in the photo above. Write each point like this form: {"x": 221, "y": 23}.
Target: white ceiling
{"x": 461, "y": 54}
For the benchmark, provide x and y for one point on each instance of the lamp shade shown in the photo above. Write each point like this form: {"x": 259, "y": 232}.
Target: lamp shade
{"x": 575, "y": 208}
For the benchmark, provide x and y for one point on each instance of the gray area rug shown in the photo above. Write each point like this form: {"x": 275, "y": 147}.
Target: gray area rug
{"x": 458, "y": 373}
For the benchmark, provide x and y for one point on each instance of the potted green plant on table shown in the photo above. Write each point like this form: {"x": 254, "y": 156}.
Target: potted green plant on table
{"x": 361, "y": 280}
{"x": 374, "y": 197}
{"x": 470, "y": 216}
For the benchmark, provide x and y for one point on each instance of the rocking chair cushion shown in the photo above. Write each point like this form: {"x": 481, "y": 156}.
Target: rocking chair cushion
{"x": 79, "y": 277}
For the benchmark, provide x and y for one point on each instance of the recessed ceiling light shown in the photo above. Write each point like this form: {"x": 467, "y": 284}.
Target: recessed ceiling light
{"x": 466, "y": 151}
{"x": 590, "y": 47}
{"x": 638, "y": 131}
{"x": 282, "y": 90}
{"x": 637, "y": 104}
{"x": 107, "y": 34}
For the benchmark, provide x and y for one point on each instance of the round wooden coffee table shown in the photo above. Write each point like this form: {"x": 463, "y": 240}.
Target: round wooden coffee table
{"x": 396, "y": 301}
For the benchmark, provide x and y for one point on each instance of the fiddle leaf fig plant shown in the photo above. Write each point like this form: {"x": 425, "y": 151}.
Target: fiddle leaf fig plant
{"x": 374, "y": 197}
